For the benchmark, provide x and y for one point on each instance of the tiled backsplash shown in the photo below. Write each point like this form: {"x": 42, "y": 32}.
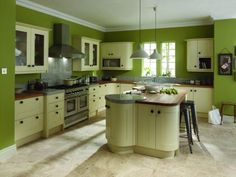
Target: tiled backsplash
{"x": 58, "y": 70}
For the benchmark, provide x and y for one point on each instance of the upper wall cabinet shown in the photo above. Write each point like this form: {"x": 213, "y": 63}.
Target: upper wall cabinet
{"x": 91, "y": 49}
{"x": 31, "y": 49}
{"x": 200, "y": 55}
{"x": 116, "y": 55}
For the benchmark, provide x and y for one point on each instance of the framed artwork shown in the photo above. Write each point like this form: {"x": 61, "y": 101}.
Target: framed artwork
{"x": 225, "y": 63}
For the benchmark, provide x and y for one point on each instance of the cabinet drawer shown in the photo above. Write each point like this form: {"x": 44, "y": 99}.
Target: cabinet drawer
{"x": 92, "y": 96}
{"x": 28, "y": 107}
{"x": 55, "y": 98}
{"x": 55, "y": 118}
{"x": 93, "y": 89}
{"x": 28, "y": 126}
{"x": 55, "y": 106}
{"x": 93, "y": 105}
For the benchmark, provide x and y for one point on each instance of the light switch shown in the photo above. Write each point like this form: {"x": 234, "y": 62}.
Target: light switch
{"x": 4, "y": 70}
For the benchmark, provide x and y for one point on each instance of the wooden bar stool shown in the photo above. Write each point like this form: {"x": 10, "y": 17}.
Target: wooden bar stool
{"x": 222, "y": 110}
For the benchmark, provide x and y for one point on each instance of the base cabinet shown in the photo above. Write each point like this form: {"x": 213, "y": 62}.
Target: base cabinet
{"x": 120, "y": 125}
{"x": 28, "y": 126}
{"x": 201, "y": 96}
{"x": 158, "y": 127}
{"x": 97, "y": 95}
{"x": 143, "y": 128}
{"x": 28, "y": 119}
{"x": 54, "y": 113}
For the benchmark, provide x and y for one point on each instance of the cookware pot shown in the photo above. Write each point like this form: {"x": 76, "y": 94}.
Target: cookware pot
{"x": 70, "y": 82}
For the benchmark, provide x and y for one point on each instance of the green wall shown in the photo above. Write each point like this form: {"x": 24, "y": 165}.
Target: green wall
{"x": 7, "y": 46}
{"x": 225, "y": 37}
{"x": 177, "y": 35}
{"x": 32, "y": 17}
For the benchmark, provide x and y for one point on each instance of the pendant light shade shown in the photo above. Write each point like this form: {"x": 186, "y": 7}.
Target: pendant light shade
{"x": 155, "y": 54}
{"x": 139, "y": 53}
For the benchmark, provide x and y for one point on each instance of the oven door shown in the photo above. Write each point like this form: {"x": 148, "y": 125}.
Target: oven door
{"x": 71, "y": 106}
{"x": 83, "y": 102}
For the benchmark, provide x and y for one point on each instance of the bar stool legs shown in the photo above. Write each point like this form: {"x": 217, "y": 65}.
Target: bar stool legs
{"x": 190, "y": 117}
{"x": 194, "y": 121}
{"x": 187, "y": 123}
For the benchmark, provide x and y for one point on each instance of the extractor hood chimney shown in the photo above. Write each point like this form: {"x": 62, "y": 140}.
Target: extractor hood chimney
{"x": 61, "y": 47}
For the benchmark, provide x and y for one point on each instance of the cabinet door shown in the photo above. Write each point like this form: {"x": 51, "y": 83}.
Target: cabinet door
{"x": 189, "y": 91}
{"x": 205, "y": 48}
{"x": 95, "y": 55}
{"x": 87, "y": 50}
{"x": 39, "y": 48}
{"x": 146, "y": 126}
{"x": 108, "y": 50}
{"x": 192, "y": 55}
{"x": 111, "y": 89}
{"x": 203, "y": 99}
{"x": 125, "y": 53}
{"x": 121, "y": 119}
{"x": 22, "y": 50}
{"x": 167, "y": 128}
{"x": 28, "y": 107}
{"x": 28, "y": 126}
{"x": 91, "y": 49}
{"x": 55, "y": 118}
{"x": 125, "y": 87}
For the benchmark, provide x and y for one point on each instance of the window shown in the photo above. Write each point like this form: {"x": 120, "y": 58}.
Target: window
{"x": 168, "y": 59}
{"x": 149, "y": 65}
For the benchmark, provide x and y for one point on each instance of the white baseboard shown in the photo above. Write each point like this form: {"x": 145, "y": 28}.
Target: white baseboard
{"x": 6, "y": 153}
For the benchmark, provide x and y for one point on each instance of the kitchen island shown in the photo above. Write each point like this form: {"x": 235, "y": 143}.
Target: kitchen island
{"x": 146, "y": 124}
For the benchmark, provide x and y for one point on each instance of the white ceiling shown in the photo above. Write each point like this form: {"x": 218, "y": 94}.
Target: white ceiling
{"x": 115, "y": 15}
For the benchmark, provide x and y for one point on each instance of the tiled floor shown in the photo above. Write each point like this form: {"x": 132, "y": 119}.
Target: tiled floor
{"x": 82, "y": 152}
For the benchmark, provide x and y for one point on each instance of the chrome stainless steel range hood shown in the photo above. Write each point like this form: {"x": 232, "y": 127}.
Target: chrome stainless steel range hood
{"x": 61, "y": 47}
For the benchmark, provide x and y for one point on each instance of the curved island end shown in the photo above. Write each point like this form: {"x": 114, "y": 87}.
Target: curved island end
{"x": 146, "y": 124}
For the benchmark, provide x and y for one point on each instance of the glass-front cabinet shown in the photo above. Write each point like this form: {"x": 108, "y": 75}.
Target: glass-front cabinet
{"x": 31, "y": 51}
{"x": 90, "y": 47}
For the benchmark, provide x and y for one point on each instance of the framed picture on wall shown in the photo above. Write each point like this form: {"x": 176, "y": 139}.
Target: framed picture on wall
{"x": 225, "y": 63}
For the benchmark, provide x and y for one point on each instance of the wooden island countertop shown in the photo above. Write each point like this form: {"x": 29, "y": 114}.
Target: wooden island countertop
{"x": 163, "y": 99}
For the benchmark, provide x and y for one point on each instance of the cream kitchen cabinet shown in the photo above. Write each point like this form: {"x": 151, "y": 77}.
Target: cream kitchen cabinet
{"x": 125, "y": 87}
{"x": 54, "y": 113}
{"x": 31, "y": 50}
{"x": 158, "y": 127}
{"x": 202, "y": 97}
{"x": 97, "y": 95}
{"x": 93, "y": 100}
{"x": 116, "y": 55}
{"x": 91, "y": 49}
{"x": 123, "y": 117}
{"x": 200, "y": 55}
{"x": 28, "y": 119}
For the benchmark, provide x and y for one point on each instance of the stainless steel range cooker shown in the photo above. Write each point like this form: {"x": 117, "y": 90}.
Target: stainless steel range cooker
{"x": 76, "y": 103}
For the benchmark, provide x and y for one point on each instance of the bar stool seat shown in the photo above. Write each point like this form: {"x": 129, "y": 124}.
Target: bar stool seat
{"x": 223, "y": 104}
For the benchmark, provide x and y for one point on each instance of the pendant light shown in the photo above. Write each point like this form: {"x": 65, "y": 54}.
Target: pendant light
{"x": 139, "y": 53}
{"x": 155, "y": 54}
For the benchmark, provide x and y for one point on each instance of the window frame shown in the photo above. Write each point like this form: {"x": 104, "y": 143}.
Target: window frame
{"x": 168, "y": 58}
{"x": 150, "y": 60}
